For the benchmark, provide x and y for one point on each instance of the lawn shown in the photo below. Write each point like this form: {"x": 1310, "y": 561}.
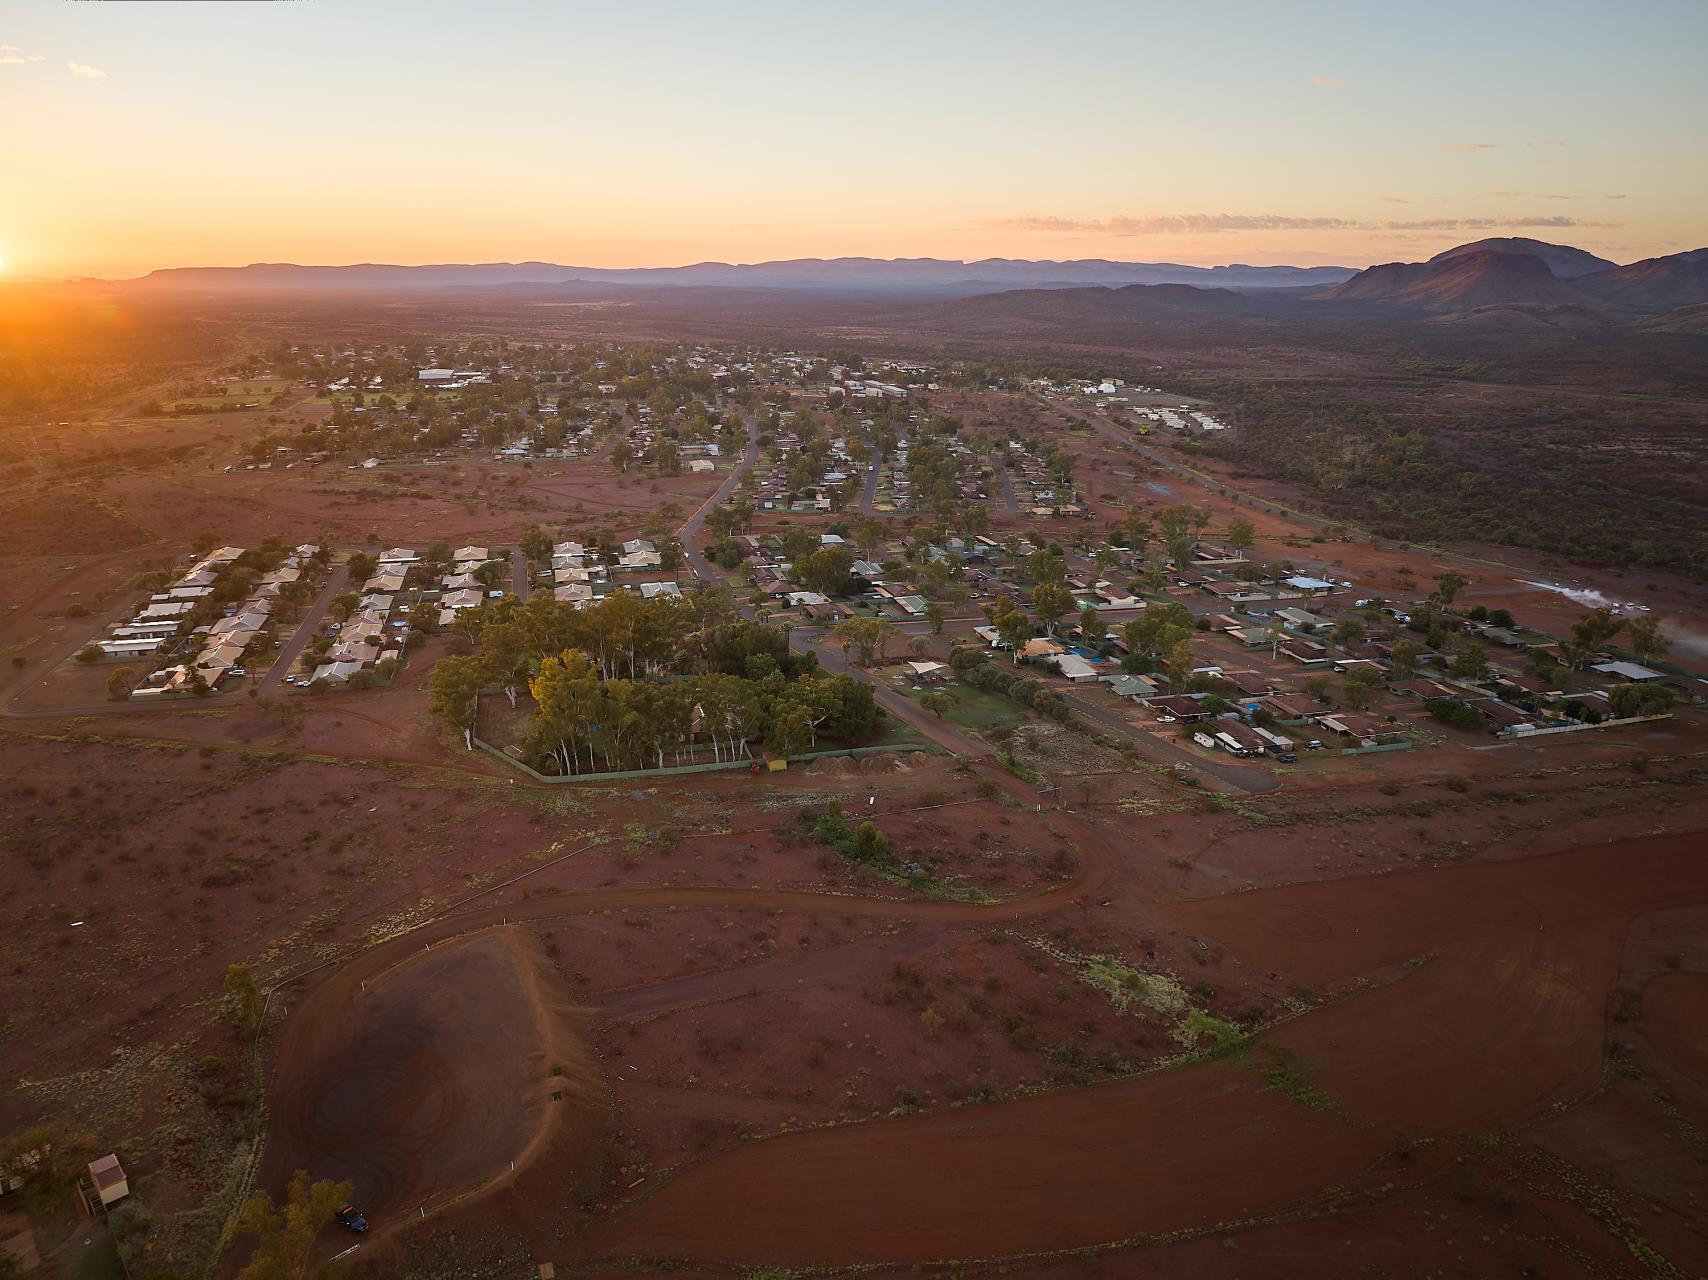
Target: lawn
{"x": 974, "y": 709}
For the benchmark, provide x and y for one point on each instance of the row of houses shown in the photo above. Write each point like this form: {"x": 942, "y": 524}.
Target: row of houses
{"x": 221, "y": 645}
{"x": 580, "y": 575}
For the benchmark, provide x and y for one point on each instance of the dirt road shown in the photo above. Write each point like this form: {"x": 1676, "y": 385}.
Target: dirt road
{"x": 1507, "y": 1017}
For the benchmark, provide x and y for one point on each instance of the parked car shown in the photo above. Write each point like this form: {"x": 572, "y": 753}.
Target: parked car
{"x": 1287, "y": 757}
{"x": 350, "y": 1216}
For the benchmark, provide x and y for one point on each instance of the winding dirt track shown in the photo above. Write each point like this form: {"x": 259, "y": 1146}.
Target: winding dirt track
{"x": 1505, "y": 1018}
{"x": 1488, "y": 1003}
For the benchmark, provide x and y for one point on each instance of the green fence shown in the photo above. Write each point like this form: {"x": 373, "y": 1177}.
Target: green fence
{"x": 630, "y": 775}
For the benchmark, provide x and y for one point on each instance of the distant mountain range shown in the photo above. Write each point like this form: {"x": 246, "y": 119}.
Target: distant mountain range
{"x": 866, "y": 275}
{"x": 1504, "y": 271}
{"x": 1517, "y": 271}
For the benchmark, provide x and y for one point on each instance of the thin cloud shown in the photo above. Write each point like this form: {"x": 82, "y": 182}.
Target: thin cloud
{"x": 1469, "y": 146}
{"x": 83, "y": 71}
{"x": 1393, "y": 200}
{"x": 1188, "y": 223}
{"x": 9, "y": 59}
{"x": 1325, "y": 82}
{"x": 38, "y": 57}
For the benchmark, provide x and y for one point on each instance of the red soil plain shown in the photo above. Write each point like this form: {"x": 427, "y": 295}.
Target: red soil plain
{"x": 1431, "y": 1013}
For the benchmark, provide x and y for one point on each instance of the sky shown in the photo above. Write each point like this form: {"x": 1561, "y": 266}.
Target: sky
{"x": 147, "y": 134}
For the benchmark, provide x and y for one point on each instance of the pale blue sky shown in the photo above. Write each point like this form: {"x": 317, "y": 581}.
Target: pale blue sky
{"x": 345, "y": 130}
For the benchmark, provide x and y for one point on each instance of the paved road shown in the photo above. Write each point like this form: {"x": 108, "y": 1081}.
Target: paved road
{"x": 1008, "y": 498}
{"x": 519, "y": 574}
{"x": 869, "y": 495}
{"x": 690, "y": 531}
{"x": 306, "y": 628}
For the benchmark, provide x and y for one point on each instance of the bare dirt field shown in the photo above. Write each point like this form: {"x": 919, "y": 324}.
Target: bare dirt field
{"x": 1488, "y": 1006}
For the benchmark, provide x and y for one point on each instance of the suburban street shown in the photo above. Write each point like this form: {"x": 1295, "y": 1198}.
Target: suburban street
{"x": 869, "y": 494}
{"x": 335, "y": 583}
{"x": 691, "y": 526}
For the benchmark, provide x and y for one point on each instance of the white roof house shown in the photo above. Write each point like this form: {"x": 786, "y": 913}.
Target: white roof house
{"x": 1627, "y": 671}
{"x": 1075, "y": 668}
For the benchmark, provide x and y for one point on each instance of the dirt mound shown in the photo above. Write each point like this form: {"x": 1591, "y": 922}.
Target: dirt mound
{"x": 432, "y": 1076}
{"x": 1055, "y": 749}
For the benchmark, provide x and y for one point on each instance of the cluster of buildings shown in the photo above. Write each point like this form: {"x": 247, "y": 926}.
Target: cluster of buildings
{"x": 783, "y": 486}
{"x": 1037, "y": 491}
{"x": 580, "y": 575}
{"x": 220, "y": 644}
{"x": 370, "y": 634}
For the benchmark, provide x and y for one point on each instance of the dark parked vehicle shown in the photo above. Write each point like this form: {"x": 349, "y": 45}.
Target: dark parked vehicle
{"x": 350, "y": 1216}
{"x": 1287, "y": 757}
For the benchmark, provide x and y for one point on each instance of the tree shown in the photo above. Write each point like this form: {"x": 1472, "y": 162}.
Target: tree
{"x": 1470, "y": 663}
{"x": 1645, "y": 638}
{"x": 1640, "y": 699}
{"x": 825, "y": 570}
{"x": 934, "y": 615}
{"x": 1051, "y": 601}
{"x": 622, "y": 453}
{"x": 1180, "y": 664}
{"x": 1012, "y": 625}
{"x": 1092, "y": 626}
{"x": 1359, "y": 687}
{"x": 89, "y": 654}
{"x": 536, "y": 544}
{"x": 1138, "y": 529}
{"x": 454, "y": 687}
{"x": 870, "y": 635}
{"x": 120, "y": 682}
{"x": 938, "y": 701}
{"x": 1448, "y": 585}
{"x": 871, "y": 846}
{"x": 244, "y": 998}
{"x": 1590, "y": 634}
{"x": 285, "y": 1233}
{"x": 1404, "y": 658}
{"x": 1241, "y": 535}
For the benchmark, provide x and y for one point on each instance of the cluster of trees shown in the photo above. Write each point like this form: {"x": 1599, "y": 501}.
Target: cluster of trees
{"x": 633, "y": 723}
{"x": 974, "y": 667}
{"x": 631, "y": 682}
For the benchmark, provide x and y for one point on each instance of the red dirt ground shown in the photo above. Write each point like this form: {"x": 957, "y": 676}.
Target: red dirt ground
{"x": 1675, "y": 1019}
{"x": 1506, "y": 1018}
